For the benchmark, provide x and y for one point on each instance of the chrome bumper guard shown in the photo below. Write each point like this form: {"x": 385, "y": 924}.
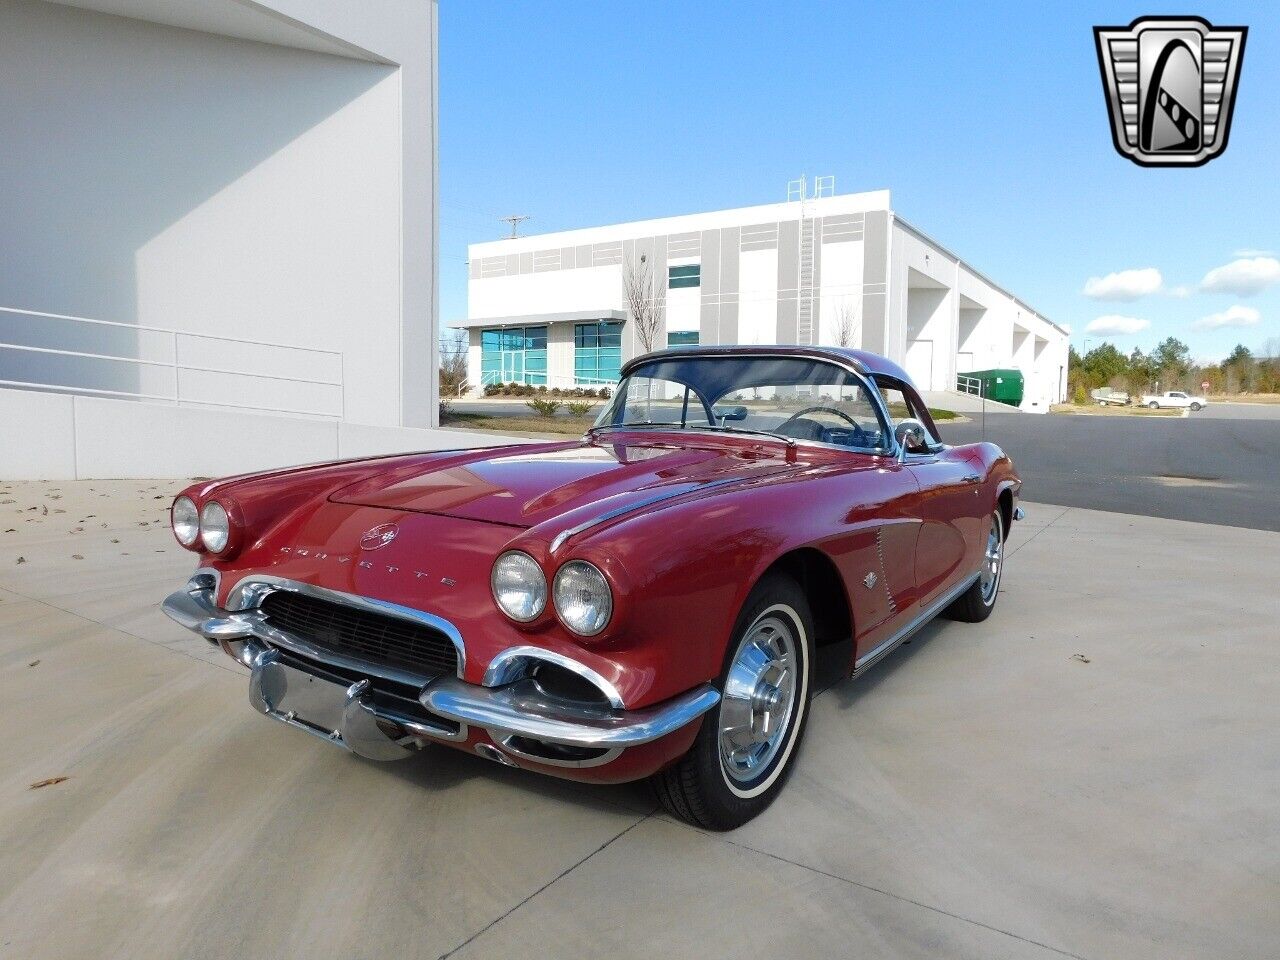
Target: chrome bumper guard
{"x": 346, "y": 716}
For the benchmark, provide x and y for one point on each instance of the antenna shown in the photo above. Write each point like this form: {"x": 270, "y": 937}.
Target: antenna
{"x": 515, "y": 221}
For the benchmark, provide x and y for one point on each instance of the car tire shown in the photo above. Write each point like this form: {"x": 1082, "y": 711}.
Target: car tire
{"x": 1153, "y": 405}
{"x": 727, "y": 778}
{"x": 1195, "y": 407}
{"x": 976, "y": 603}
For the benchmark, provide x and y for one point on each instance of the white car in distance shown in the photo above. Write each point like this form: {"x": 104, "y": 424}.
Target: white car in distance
{"x": 1173, "y": 399}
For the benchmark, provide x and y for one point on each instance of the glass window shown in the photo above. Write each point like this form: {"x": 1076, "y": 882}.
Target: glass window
{"x": 687, "y": 275}
{"x": 682, "y": 338}
{"x": 792, "y": 397}
{"x": 514, "y": 355}
{"x": 597, "y": 355}
{"x": 900, "y": 407}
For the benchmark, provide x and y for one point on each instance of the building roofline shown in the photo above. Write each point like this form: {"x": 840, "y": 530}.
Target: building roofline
{"x": 862, "y": 201}
{"x": 920, "y": 234}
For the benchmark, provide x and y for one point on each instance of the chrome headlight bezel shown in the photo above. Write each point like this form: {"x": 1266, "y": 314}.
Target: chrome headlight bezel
{"x": 215, "y": 527}
{"x": 507, "y": 569}
{"x": 184, "y": 520}
{"x": 586, "y": 618}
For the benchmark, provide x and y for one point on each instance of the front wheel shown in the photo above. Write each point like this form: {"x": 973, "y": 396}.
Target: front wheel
{"x": 976, "y": 603}
{"x": 1195, "y": 407}
{"x": 745, "y": 747}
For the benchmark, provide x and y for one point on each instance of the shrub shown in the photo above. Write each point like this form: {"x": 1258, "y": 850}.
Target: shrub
{"x": 1081, "y": 397}
{"x": 579, "y": 408}
{"x": 492, "y": 389}
{"x": 605, "y": 393}
{"x": 446, "y": 408}
{"x": 543, "y": 407}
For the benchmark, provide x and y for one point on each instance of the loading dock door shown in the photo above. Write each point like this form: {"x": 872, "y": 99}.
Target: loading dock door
{"x": 919, "y": 363}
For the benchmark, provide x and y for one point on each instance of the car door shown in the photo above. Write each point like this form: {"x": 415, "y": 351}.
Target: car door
{"x": 949, "y": 483}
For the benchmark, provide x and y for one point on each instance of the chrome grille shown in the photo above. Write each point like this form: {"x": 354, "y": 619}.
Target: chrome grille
{"x": 362, "y": 634}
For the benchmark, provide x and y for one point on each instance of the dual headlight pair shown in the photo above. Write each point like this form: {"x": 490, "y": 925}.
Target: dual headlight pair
{"x": 581, "y": 594}
{"x": 210, "y": 525}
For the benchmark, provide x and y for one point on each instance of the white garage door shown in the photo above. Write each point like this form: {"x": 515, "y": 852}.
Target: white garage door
{"x": 919, "y": 365}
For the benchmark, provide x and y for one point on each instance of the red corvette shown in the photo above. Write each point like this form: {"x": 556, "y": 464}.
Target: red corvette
{"x": 644, "y": 602}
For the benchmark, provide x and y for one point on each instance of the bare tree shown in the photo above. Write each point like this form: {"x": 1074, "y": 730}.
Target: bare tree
{"x": 453, "y": 362}
{"x": 643, "y": 303}
{"x": 846, "y": 324}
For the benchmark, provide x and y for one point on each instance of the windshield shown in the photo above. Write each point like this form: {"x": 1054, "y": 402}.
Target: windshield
{"x": 789, "y": 397}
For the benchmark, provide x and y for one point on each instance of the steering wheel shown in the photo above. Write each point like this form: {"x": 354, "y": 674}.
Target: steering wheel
{"x": 821, "y": 409}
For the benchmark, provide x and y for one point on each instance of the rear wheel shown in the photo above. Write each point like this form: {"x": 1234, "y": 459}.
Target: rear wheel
{"x": 1153, "y": 405}
{"x": 976, "y": 603}
{"x": 745, "y": 748}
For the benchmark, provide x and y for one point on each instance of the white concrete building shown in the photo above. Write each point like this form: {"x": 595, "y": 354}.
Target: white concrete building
{"x": 217, "y": 219}
{"x": 840, "y": 270}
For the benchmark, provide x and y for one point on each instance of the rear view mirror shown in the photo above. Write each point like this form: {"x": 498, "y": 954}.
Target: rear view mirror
{"x": 724, "y": 414}
{"x": 911, "y": 436}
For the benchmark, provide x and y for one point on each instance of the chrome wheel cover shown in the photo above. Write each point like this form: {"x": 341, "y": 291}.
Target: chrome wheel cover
{"x": 759, "y": 698}
{"x": 994, "y": 559}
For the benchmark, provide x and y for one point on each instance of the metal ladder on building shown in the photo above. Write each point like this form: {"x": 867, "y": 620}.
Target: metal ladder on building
{"x": 806, "y": 287}
{"x": 805, "y": 319}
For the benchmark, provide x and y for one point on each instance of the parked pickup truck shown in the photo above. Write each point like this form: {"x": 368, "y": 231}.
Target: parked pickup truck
{"x": 1106, "y": 397}
{"x": 1174, "y": 399}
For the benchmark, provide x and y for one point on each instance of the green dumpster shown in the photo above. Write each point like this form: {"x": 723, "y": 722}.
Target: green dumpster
{"x": 1002, "y": 386}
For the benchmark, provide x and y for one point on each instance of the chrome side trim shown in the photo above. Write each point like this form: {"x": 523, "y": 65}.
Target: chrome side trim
{"x": 874, "y": 656}
{"x": 565, "y": 535}
{"x": 513, "y": 664}
{"x": 521, "y": 709}
{"x": 253, "y": 589}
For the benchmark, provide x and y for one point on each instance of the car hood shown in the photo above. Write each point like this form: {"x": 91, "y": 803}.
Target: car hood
{"x": 525, "y": 487}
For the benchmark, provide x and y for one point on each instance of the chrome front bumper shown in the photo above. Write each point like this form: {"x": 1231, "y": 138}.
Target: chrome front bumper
{"x": 512, "y": 713}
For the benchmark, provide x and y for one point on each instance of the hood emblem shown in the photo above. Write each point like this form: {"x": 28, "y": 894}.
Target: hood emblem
{"x": 378, "y": 536}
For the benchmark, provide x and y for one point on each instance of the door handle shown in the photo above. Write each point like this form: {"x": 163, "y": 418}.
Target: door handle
{"x": 972, "y": 478}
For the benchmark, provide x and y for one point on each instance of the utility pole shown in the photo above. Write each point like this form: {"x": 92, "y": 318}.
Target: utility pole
{"x": 515, "y": 221}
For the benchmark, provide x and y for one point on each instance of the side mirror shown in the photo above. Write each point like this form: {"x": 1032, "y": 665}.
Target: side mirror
{"x": 725, "y": 414}
{"x": 911, "y": 436}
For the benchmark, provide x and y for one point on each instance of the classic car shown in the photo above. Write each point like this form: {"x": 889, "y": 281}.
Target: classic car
{"x": 647, "y": 601}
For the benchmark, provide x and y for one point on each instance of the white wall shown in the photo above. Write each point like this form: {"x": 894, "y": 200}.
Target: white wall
{"x": 60, "y": 437}
{"x": 163, "y": 176}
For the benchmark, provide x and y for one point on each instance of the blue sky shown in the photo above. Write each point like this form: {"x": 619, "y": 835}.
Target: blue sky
{"x": 986, "y": 121}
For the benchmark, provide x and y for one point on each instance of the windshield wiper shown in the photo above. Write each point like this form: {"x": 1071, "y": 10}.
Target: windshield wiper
{"x": 745, "y": 431}
{"x": 638, "y": 423}
{"x": 789, "y": 441}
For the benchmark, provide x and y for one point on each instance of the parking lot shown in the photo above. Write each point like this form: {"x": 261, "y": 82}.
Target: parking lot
{"x": 1091, "y": 773}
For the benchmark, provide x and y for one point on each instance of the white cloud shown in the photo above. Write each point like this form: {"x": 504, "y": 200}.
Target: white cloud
{"x": 1114, "y": 323}
{"x": 1124, "y": 285}
{"x": 1251, "y": 252}
{"x": 1243, "y": 277}
{"x": 1236, "y": 316}
{"x": 1181, "y": 292}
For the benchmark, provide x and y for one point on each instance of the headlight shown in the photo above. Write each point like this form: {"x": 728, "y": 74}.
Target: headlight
{"x": 583, "y": 598}
{"x": 186, "y": 521}
{"x": 519, "y": 587}
{"x": 215, "y": 527}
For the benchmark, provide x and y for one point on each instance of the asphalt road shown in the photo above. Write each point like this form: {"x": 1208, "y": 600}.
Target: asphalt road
{"x": 1210, "y": 469}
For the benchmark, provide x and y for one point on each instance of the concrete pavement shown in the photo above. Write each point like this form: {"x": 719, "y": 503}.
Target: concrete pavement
{"x": 1091, "y": 773}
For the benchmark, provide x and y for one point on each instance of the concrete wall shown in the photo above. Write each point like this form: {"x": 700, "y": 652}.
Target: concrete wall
{"x": 57, "y": 436}
{"x": 210, "y": 184}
